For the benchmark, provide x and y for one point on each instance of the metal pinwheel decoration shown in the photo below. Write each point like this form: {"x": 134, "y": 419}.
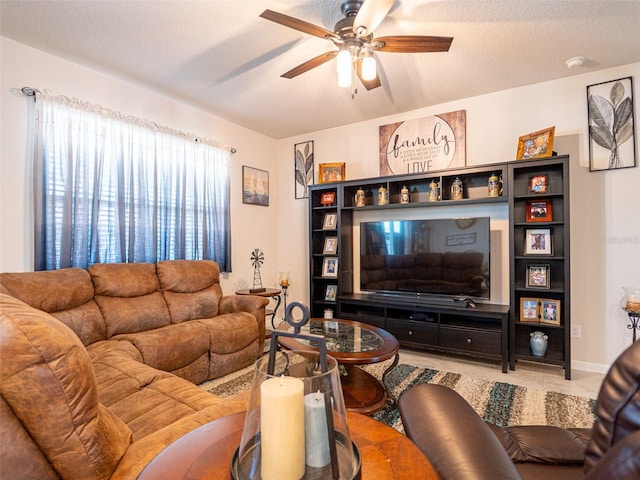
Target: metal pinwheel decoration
{"x": 257, "y": 259}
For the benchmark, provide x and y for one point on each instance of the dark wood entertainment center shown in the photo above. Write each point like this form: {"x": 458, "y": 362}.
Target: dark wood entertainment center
{"x": 490, "y": 331}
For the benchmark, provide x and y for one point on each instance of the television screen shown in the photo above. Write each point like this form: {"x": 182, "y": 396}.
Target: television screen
{"x": 426, "y": 257}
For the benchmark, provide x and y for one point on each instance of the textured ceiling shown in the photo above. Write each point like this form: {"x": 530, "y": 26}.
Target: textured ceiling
{"x": 221, "y": 56}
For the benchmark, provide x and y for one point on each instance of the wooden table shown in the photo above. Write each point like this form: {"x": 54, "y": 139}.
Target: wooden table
{"x": 352, "y": 344}
{"x": 205, "y": 453}
{"x": 269, "y": 293}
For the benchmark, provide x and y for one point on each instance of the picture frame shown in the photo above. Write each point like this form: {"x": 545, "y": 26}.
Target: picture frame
{"x": 331, "y": 172}
{"x": 330, "y": 221}
{"x": 327, "y": 199}
{"x": 255, "y": 186}
{"x": 536, "y": 144}
{"x": 330, "y": 246}
{"x": 610, "y": 109}
{"x": 330, "y": 267}
{"x": 538, "y": 241}
{"x": 529, "y": 310}
{"x": 550, "y": 311}
{"x": 538, "y": 276}
{"x": 303, "y": 168}
{"x": 538, "y": 184}
{"x": 331, "y": 293}
{"x": 538, "y": 211}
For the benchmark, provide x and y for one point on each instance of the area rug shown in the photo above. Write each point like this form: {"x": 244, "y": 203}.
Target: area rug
{"x": 499, "y": 403}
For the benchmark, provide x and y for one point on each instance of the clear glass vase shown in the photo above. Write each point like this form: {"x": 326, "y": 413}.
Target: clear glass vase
{"x": 296, "y": 423}
{"x": 630, "y": 302}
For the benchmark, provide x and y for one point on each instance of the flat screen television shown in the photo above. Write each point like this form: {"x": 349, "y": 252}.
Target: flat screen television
{"x": 433, "y": 257}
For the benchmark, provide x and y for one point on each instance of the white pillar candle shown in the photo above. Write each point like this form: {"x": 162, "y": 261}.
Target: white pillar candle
{"x": 316, "y": 435}
{"x": 282, "y": 429}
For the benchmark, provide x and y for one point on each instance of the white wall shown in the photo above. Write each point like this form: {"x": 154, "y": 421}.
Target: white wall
{"x": 605, "y": 223}
{"x": 605, "y": 220}
{"x": 252, "y": 226}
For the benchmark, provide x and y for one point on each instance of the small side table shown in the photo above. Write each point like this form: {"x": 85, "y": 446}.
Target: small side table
{"x": 274, "y": 293}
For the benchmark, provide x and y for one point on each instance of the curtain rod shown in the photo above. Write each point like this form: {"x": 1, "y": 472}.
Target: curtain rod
{"x": 31, "y": 92}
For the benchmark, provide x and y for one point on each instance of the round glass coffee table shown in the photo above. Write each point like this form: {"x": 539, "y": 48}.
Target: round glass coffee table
{"x": 351, "y": 344}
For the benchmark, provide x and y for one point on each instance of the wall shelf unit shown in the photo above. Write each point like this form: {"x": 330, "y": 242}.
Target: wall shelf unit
{"x": 489, "y": 331}
{"x": 549, "y": 198}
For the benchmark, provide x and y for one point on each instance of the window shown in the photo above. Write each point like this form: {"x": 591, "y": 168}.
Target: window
{"x": 110, "y": 188}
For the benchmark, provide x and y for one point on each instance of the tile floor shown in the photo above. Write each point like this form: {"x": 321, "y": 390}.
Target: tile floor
{"x": 528, "y": 374}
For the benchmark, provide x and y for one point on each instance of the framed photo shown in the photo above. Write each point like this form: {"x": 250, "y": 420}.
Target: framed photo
{"x": 612, "y": 141}
{"x": 538, "y": 276}
{"x": 330, "y": 221}
{"x": 328, "y": 198}
{"x": 536, "y": 145}
{"x": 331, "y": 293}
{"x": 538, "y": 184}
{"x": 331, "y": 172}
{"x": 550, "y": 311}
{"x": 303, "y": 163}
{"x": 538, "y": 242}
{"x": 330, "y": 267}
{"x": 529, "y": 310}
{"x": 538, "y": 211}
{"x": 255, "y": 186}
{"x": 330, "y": 246}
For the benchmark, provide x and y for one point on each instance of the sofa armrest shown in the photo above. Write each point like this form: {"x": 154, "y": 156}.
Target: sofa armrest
{"x": 252, "y": 304}
{"x": 457, "y": 442}
{"x": 622, "y": 461}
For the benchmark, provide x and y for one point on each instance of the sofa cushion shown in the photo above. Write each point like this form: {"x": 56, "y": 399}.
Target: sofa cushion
{"x": 48, "y": 381}
{"x": 191, "y": 288}
{"x": 129, "y": 297}
{"x": 67, "y": 294}
{"x": 173, "y": 347}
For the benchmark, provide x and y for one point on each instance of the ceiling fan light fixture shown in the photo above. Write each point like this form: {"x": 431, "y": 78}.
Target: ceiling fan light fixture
{"x": 368, "y": 66}
{"x": 343, "y": 63}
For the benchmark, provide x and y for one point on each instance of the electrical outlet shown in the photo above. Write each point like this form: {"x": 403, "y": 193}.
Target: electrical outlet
{"x": 576, "y": 331}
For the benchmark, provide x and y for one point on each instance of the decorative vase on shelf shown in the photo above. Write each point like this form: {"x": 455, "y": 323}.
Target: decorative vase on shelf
{"x": 538, "y": 342}
{"x": 359, "y": 198}
{"x": 404, "y": 195}
{"x": 631, "y": 300}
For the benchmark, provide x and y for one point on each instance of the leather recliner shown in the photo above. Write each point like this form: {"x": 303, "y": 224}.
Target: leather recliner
{"x": 461, "y": 446}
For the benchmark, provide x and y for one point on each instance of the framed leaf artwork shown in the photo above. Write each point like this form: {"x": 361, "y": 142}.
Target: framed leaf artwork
{"x": 303, "y": 166}
{"x": 612, "y": 142}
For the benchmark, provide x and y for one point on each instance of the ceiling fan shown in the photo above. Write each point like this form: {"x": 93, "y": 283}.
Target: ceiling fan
{"x": 353, "y": 35}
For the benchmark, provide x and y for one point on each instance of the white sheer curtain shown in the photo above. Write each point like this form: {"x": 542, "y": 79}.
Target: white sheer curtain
{"x": 111, "y": 188}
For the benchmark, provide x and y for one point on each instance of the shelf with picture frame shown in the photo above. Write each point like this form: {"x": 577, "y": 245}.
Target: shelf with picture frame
{"x": 539, "y": 264}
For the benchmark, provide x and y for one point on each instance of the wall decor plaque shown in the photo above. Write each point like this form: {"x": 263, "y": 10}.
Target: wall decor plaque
{"x": 422, "y": 145}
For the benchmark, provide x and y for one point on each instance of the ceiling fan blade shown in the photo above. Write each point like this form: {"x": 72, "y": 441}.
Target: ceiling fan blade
{"x": 370, "y": 15}
{"x": 411, "y": 44}
{"x": 300, "y": 25}
{"x": 368, "y": 84}
{"x": 309, "y": 64}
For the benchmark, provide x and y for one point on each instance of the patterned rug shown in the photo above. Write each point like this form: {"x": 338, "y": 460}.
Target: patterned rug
{"x": 499, "y": 403}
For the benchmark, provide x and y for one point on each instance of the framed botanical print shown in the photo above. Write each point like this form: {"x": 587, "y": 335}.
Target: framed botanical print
{"x": 612, "y": 141}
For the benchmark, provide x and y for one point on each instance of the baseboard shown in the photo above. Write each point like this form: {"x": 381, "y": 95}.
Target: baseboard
{"x": 590, "y": 367}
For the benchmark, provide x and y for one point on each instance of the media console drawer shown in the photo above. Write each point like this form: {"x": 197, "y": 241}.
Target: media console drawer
{"x": 414, "y": 332}
{"x": 484, "y": 341}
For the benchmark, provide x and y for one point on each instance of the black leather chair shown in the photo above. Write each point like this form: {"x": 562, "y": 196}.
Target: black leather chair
{"x": 461, "y": 446}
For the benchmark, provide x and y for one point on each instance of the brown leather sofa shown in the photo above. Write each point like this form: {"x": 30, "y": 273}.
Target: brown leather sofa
{"x": 98, "y": 367}
{"x": 462, "y": 446}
